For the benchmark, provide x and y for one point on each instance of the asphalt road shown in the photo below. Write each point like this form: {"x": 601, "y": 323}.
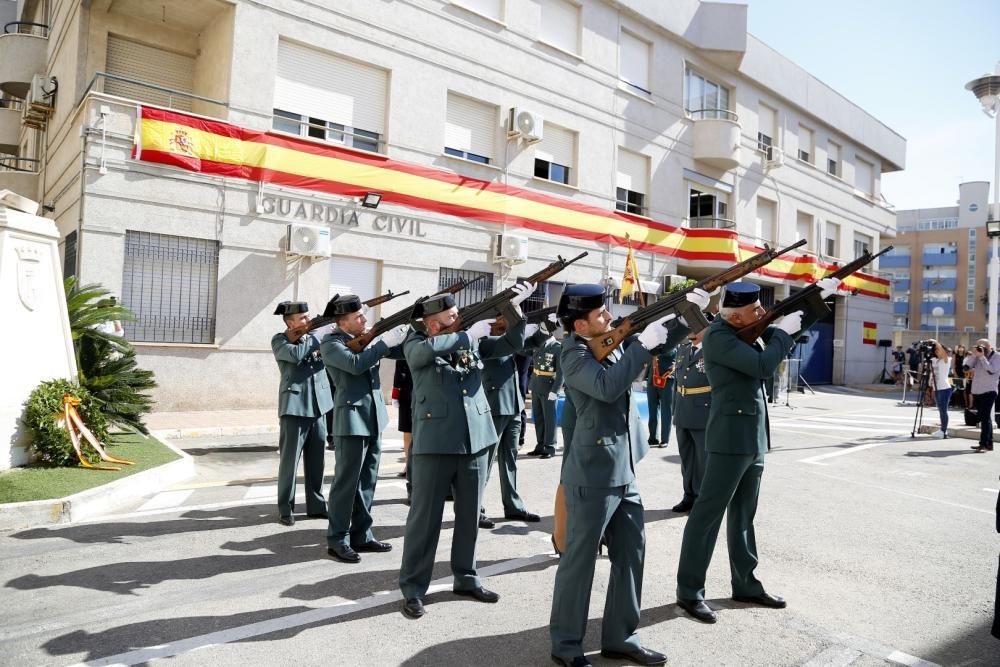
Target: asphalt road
{"x": 885, "y": 547}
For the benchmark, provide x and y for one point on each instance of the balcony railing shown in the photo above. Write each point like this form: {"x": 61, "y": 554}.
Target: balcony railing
{"x": 142, "y": 91}
{"x": 940, "y": 259}
{"x": 23, "y": 164}
{"x": 711, "y": 223}
{"x": 26, "y": 28}
{"x": 714, "y": 114}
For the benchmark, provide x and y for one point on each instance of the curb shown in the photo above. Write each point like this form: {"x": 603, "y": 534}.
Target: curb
{"x": 215, "y": 431}
{"x": 100, "y": 499}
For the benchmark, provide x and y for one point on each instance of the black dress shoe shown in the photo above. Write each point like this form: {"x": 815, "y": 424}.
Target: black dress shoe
{"x": 413, "y": 608}
{"x": 653, "y": 441}
{"x": 527, "y": 517}
{"x": 373, "y": 546}
{"x": 764, "y": 600}
{"x": 698, "y": 610}
{"x": 287, "y": 520}
{"x": 640, "y": 656}
{"x": 578, "y": 661}
{"x": 344, "y": 553}
{"x": 545, "y": 455}
{"x": 479, "y": 593}
{"x": 535, "y": 452}
{"x": 980, "y": 448}
{"x": 682, "y": 507}
{"x": 486, "y": 522}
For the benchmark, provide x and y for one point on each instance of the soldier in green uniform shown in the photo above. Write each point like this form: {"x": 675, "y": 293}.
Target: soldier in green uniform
{"x": 452, "y": 434}
{"x": 659, "y": 397}
{"x": 692, "y": 399}
{"x": 736, "y": 437}
{"x": 598, "y": 477}
{"x": 359, "y": 416}
{"x": 546, "y": 383}
{"x": 303, "y": 401}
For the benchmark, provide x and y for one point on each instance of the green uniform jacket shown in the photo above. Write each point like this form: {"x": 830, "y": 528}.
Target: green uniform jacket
{"x": 546, "y": 358}
{"x": 500, "y": 373}
{"x": 691, "y": 412}
{"x": 359, "y": 388}
{"x": 304, "y": 390}
{"x": 737, "y": 420}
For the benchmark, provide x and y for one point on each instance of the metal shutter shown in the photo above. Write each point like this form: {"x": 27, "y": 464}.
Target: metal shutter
{"x": 558, "y": 145}
{"x": 349, "y": 275}
{"x": 767, "y": 120}
{"x": 322, "y": 85}
{"x": 561, "y": 24}
{"x": 634, "y": 65}
{"x": 633, "y": 171}
{"x": 151, "y": 65}
{"x": 470, "y": 126}
{"x": 863, "y": 176}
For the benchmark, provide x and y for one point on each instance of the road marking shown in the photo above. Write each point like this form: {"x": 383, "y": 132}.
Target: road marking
{"x": 834, "y": 656}
{"x": 850, "y": 450}
{"x": 902, "y": 493}
{"x": 166, "y": 499}
{"x": 297, "y": 620}
{"x": 838, "y": 427}
{"x": 910, "y": 660}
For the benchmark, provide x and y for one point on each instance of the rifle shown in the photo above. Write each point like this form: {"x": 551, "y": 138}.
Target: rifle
{"x": 490, "y": 306}
{"x": 402, "y": 317}
{"x": 540, "y": 315}
{"x": 807, "y": 299}
{"x": 319, "y": 321}
{"x": 379, "y": 300}
{"x": 678, "y": 304}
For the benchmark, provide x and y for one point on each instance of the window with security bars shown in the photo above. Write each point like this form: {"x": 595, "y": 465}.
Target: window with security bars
{"x": 170, "y": 283}
{"x": 539, "y": 298}
{"x": 474, "y": 293}
{"x": 69, "y": 256}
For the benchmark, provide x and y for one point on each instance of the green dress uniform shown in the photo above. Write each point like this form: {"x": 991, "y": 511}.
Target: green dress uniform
{"x": 692, "y": 400}
{"x": 359, "y": 417}
{"x": 452, "y": 434}
{"x": 500, "y": 380}
{"x": 659, "y": 400}
{"x": 546, "y": 379}
{"x": 736, "y": 437}
{"x": 303, "y": 401}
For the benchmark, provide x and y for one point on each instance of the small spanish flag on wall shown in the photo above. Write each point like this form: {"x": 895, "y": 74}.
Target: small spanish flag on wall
{"x": 630, "y": 280}
{"x": 869, "y": 332}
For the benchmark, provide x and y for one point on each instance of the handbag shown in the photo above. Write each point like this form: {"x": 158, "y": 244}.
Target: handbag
{"x": 971, "y": 417}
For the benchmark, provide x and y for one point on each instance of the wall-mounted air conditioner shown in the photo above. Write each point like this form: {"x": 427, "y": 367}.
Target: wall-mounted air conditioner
{"x": 308, "y": 241}
{"x": 510, "y": 249}
{"x": 526, "y": 124}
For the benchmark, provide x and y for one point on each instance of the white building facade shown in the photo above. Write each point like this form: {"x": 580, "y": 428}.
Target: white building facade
{"x": 606, "y": 116}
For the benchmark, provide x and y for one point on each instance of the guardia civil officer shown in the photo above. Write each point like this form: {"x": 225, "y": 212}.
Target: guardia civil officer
{"x": 736, "y": 437}
{"x": 692, "y": 399}
{"x": 500, "y": 379}
{"x": 359, "y": 416}
{"x": 303, "y": 401}
{"x": 598, "y": 476}
{"x": 660, "y": 396}
{"x": 546, "y": 383}
{"x": 452, "y": 435}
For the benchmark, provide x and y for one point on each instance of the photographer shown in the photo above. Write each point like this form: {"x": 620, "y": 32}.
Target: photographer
{"x": 940, "y": 360}
{"x": 985, "y": 364}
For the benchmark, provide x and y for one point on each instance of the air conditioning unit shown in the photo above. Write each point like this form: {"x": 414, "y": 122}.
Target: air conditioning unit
{"x": 773, "y": 157}
{"x": 524, "y": 123}
{"x": 308, "y": 241}
{"x": 510, "y": 249}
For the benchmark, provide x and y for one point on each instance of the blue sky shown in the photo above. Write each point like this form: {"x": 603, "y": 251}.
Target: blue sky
{"x": 906, "y": 62}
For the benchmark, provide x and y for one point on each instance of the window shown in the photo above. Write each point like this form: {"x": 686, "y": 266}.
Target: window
{"x": 708, "y": 208}
{"x": 149, "y": 64}
{"x": 948, "y": 248}
{"x": 560, "y": 25}
{"x": 632, "y": 182}
{"x": 326, "y": 97}
{"x": 900, "y": 321}
{"x": 938, "y": 223}
{"x": 832, "y": 159}
{"x": 899, "y": 251}
{"x": 764, "y": 230}
{"x": 767, "y": 122}
{"x": 899, "y": 275}
{"x": 938, "y": 297}
{"x": 931, "y": 322}
{"x": 555, "y": 155}
{"x": 805, "y": 144}
{"x": 634, "y": 62}
{"x": 804, "y": 228}
{"x": 704, "y": 98}
{"x": 970, "y": 299}
{"x": 350, "y": 275}
{"x": 470, "y": 129}
{"x": 931, "y": 272}
{"x": 831, "y": 240}
{"x": 863, "y": 179}
{"x": 492, "y": 9}
{"x": 473, "y": 293}
{"x": 69, "y": 255}
{"x": 862, "y": 244}
{"x": 170, "y": 282}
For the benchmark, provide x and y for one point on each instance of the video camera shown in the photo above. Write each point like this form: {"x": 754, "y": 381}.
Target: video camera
{"x": 927, "y": 348}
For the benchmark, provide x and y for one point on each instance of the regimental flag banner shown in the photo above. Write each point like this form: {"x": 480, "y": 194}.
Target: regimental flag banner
{"x": 869, "y": 332}
{"x": 630, "y": 280}
{"x": 218, "y": 148}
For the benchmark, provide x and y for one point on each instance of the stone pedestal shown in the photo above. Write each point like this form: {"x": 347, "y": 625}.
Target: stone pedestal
{"x": 35, "y": 339}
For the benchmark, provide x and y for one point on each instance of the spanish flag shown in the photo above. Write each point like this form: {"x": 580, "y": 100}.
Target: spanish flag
{"x": 630, "y": 280}
{"x": 869, "y": 332}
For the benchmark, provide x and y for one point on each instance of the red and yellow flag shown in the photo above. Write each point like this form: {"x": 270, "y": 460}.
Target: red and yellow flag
{"x": 869, "y": 332}
{"x": 630, "y": 279}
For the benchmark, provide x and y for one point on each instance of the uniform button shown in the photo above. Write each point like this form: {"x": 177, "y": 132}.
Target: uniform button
{"x": 428, "y": 414}
{"x": 464, "y": 391}
{"x": 739, "y": 412}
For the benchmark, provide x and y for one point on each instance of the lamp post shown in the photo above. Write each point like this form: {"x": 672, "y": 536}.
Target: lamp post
{"x": 937, "y": 312}
{"x": 987, "y": 91}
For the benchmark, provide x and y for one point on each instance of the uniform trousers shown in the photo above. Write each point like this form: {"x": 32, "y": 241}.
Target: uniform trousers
{"x": 731, "y": 486}
{"x": 353, "y": 489}
{"x": 691, "y": 447}
{"x": 434, "y": 476}
{"x": 505, "y": 452}
{"x": 659, "y": 403}
{"x": 301, "y": 438}
{"x": 543, "y": 413}
{"x": 590, "y": 512}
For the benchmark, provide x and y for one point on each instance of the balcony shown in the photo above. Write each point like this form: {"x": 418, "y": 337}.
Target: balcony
{"x": 894, "y": 261}
{"x": 939, "y": 283}
{"x": 901, "y": 285}
{"x": 901, "y": 308}
{"x": 10, "y": 125}
{"x": 948, "y": 307}
{"x": 716, "y": 138}
{"x": 939, "y": 259}
{"x": 711, "y": 223}
{"x": 22, "y": 55}
{"x": 19, "y": 175}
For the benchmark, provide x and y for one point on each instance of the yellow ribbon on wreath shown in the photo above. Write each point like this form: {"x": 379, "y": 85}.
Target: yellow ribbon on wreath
{"x": 71, "y": 420}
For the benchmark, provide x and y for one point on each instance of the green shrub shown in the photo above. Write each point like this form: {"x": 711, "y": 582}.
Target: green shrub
{"x": 51, "y": 443}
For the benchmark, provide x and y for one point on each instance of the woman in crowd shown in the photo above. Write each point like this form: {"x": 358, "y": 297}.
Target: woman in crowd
{"x": 958, "y": 375}
{"x": 941, "y": 368}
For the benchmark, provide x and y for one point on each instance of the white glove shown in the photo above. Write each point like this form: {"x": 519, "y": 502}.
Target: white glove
{"x": 698, "y": 297}
{"x": 791, "y": 324}
{"x": 828, "y": 286}
{"x": 656, "y": 333}
{"x": 553, "y": 396}
{"x": 480, "y": 329}
{"x": 395, "y": 336}
{"x": 530, "y": 329}
{"x": 522, "y": 291}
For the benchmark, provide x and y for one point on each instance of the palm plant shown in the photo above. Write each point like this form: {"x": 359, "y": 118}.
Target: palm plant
{"x": 106, "y": 362}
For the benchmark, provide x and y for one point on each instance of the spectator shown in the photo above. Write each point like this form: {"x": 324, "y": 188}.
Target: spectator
{"x": 985, "y": 362}
{"x": 898, "y": 359}
{"x": 941, "y": 367}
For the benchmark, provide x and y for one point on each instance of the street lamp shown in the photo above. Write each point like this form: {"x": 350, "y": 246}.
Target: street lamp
{"x": 937, "y": 312}
{"x": 987, "y": 90}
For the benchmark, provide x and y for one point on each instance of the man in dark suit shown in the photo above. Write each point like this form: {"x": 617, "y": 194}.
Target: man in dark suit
{"x": 692, "y": 400}
{"x": 303, "y": 401}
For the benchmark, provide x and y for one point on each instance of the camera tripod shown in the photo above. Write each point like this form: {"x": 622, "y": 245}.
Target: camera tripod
{"x": 924, "y": 382}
